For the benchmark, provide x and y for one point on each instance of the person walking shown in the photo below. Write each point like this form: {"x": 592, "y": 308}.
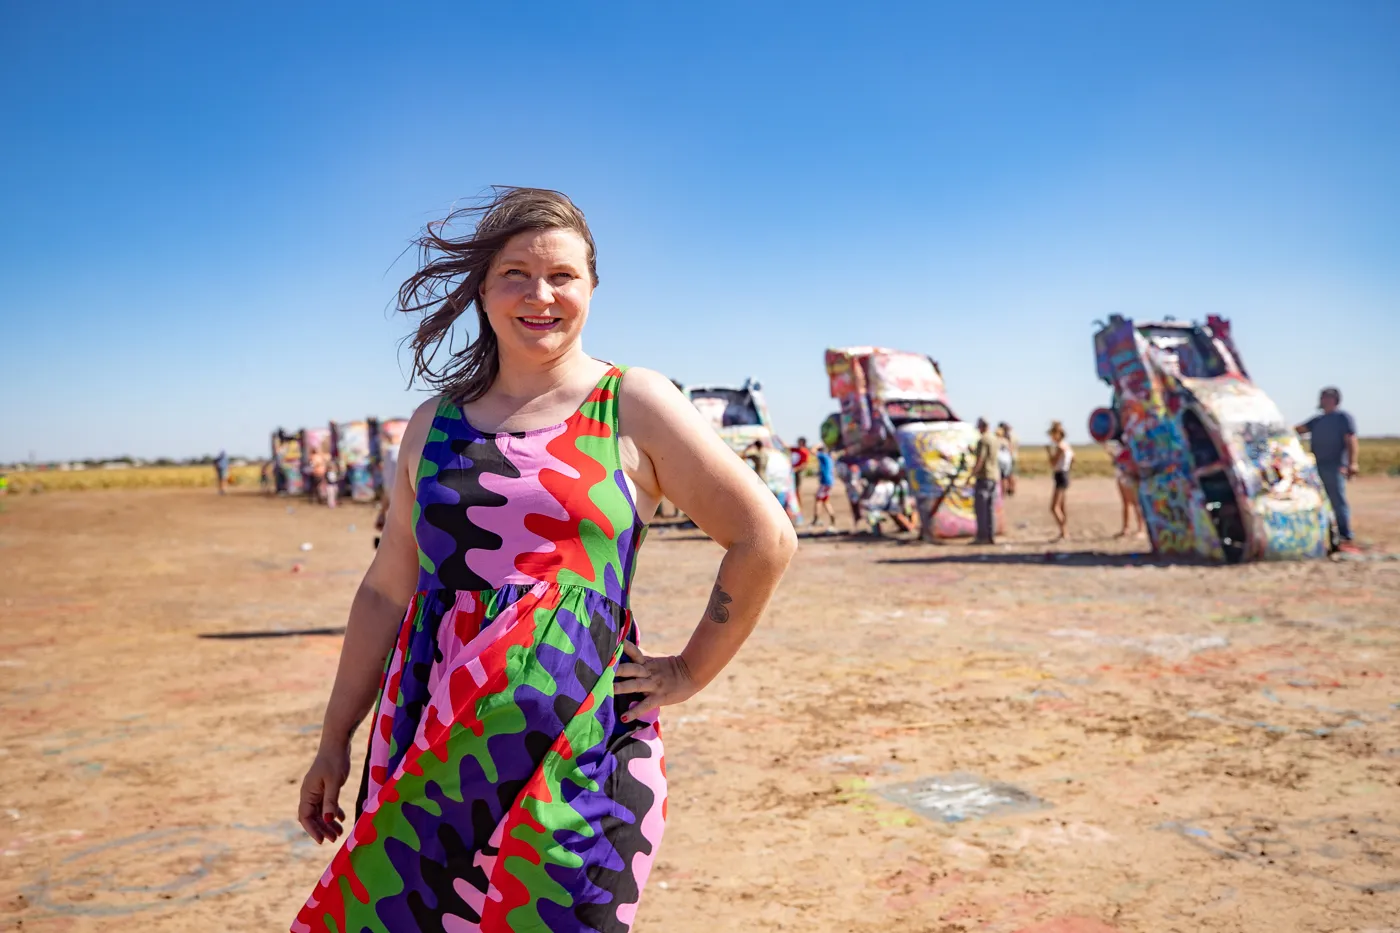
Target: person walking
{"x": 514, "y": 777}
{"x": 986, "y": 473}
{"x": 826, "y": 479}
{"x": 1337, "y": 451}
{"x": 1006, "y": 458}
{"x": 1061, "y": 456}
{"x": 221, "y": 471}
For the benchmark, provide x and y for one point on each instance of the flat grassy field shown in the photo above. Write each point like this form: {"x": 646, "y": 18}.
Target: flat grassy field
{"x": 154, "y": 477}
{"x": 1380, "y": 456}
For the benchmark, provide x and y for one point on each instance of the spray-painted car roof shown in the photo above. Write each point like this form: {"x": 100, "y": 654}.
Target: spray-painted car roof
{"x": 885, "y": 374}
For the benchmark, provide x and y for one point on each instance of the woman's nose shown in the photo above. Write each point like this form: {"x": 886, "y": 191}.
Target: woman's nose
{"x": 541, "y": 292}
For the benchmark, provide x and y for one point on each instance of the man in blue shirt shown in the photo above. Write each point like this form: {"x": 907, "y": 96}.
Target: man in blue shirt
{"x": 221, "y": 470}
{"x": 1336, "y": 451}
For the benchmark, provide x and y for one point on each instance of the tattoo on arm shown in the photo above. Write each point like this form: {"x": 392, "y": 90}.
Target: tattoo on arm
{"x": 718, "y": 610}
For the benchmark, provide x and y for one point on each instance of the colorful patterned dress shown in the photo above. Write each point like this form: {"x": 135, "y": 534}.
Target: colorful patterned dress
{"x": 503, "y": 792}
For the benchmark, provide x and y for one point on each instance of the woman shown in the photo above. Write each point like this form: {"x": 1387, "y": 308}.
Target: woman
{"x": 1126, "y": 469}
{"x": 514, "y": 779}
{"x": 1006, "y": 458}
{"x": 1061, "y": 459}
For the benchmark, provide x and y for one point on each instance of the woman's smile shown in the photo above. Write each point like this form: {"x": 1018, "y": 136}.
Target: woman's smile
{"x": 539, "y": 323}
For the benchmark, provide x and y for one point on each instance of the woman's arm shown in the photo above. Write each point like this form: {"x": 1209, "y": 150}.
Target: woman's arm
{"x": 375, "y": 616}
{"x": 669, "y": 450}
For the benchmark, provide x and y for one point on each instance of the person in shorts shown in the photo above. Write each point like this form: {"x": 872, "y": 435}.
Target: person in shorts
{"x": 1061, "y": 456}
{"x": 826, "y": 479}
{"x": 1006, "y": 458}
{"x": 1126, "y": 470}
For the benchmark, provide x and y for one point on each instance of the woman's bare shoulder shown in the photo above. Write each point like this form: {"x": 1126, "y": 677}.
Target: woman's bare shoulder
{"x": 648, "y": 393}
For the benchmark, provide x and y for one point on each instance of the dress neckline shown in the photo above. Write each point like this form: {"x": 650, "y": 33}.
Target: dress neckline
{"x": 612, "y": 370}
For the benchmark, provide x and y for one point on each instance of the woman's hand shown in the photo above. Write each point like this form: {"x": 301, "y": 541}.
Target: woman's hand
{"x": 319, "y": 812}
{"x": 662, "y": 681}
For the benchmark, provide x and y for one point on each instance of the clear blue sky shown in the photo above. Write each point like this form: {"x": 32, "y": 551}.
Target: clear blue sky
{"x": 204, "y": 205}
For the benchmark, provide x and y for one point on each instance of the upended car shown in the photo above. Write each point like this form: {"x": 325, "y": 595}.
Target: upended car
{"x": 894, "y": 410}
{"x": 1221, "y": 476}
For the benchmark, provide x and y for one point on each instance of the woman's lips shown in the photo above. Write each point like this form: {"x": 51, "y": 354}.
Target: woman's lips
{"x": 539, "y": 323}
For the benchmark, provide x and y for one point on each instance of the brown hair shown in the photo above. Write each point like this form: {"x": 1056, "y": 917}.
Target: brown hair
{"x": 451, "y": 272}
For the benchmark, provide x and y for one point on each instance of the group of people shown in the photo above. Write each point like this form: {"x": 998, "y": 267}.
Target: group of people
{"x": 995, "y": 459}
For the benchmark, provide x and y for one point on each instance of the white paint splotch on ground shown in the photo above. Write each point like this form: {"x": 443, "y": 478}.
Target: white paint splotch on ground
{"x": 953, "y": 798}
{"x": 1169, "y": 647}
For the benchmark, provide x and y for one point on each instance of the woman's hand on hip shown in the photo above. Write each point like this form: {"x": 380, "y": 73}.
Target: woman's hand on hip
{"x": 662, "y": 681}
{"x": 319, "y": 811}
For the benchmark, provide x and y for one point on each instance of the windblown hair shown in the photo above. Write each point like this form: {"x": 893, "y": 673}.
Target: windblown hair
{"x": 452, "y": 270}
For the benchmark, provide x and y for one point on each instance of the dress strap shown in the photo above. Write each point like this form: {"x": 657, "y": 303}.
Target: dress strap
{"x": 602, "y": 403}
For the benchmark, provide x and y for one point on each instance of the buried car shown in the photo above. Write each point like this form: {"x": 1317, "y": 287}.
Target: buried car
{"x": 351, "y": 442}
{"x": 1221, "y": 475}
{"x": 740, "y": 417}
{"x": 286, "y": 462}
{"x": 893, "y": 406}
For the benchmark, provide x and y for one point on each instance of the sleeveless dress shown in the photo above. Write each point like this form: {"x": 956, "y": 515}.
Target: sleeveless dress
{"x": 502, "y": 790}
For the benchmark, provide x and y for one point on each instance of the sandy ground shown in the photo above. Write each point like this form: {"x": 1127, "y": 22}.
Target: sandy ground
{"x": 1193, "y": 748}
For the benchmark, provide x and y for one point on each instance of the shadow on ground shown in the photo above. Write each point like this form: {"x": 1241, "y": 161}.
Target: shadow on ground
{"x": 1049, "y": 558}
{"x": 273, "y": 633}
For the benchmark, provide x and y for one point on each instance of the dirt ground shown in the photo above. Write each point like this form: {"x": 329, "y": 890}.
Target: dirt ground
{"x": 1192, "y": 748}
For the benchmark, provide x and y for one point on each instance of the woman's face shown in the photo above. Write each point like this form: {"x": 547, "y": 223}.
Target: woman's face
{"x": 536, "y": 292}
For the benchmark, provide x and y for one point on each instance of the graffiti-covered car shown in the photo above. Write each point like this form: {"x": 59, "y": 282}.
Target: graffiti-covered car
{"x": 286, "y": 460}
{"x": 386, "y": 439}
{"x": 893, "y": 404}
{"x": 1221, "y": 475}
{"x": 315, "y": 443}
{"x": 740, "y": 416}
{"x": 350, "y": 441}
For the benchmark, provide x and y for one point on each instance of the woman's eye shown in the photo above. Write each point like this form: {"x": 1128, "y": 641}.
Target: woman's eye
{"x": 559, "y": 278}
{"x": 514, "y": 273}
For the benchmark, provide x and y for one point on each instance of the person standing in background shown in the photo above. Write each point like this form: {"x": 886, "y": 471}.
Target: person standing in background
{"x": 221, "y": 471}
{"x": 826, "y": 479}
{"x": 855, "y": 489}
{"x": 801, "y": 456}
{"x": 1006, "y": 458}
{"x": 1061, "y": 460}
{"x": 332, "y": 481}
{"x": 986, "y": 472}
{"x": 1337, "y": 452}
{"x": 1127, "y": 474}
